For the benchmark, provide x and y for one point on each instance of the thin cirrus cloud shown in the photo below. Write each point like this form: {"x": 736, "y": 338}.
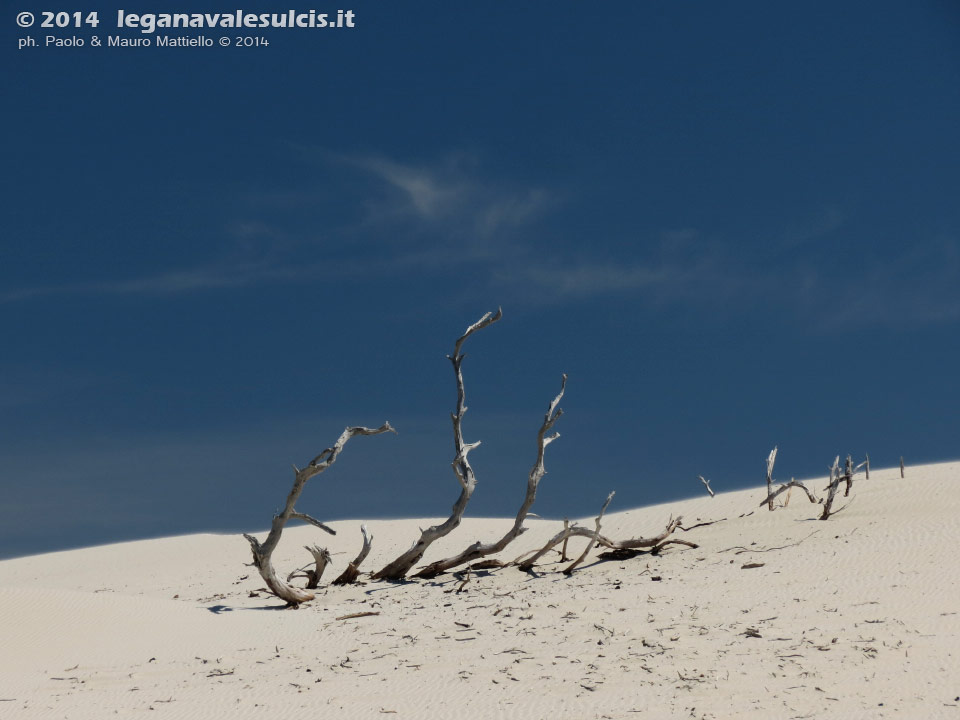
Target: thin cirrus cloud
{"x": 427, "y": 194}
{"x": 174, "y": 282}
{"x": 434, "y": 218}
{"x": 442, "y": 218}
{"x": 446, "y": 196}
{"x": 917, "y": 286}
{"x": 658, "y": 281}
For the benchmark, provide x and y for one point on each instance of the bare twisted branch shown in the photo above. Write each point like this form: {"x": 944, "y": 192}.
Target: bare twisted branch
{"x": 399, "y": 567}
{"x": 479, "y": 550}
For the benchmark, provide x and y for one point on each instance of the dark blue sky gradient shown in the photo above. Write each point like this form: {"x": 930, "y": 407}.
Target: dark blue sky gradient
{"x": 732, "y": 225}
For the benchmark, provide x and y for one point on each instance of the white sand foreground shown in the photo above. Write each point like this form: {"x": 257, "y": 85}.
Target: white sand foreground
{"x": 857, "y": 617}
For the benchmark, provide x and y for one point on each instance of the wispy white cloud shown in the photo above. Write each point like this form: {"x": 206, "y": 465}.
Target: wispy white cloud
{"x": 449, "y": 195}
{"x": 658, "y": 280}
{"x": 434, "y": 217}
{"x": 429, "y": 194}
{"x": 512, "y": 211}
{"x": 438, "y": 217}
{"x": 173, "y": 282}
{"x": 921, "y": 286}
{"x": 579, "y": 280}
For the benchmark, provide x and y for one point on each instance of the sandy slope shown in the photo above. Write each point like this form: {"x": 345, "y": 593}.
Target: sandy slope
{"x": 857, "y": 617}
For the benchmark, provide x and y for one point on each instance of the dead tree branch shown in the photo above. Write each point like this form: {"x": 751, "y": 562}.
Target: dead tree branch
{"x": 849, "y": 472}
{"x": 638, "y": 543}
{"x": 771, "y": 459}
{"x": 627, "y": 553}
{"x": 461, "y": 468}
{"x": 262, "y": 552}
{"x": 784, "y": 487}
{"x": 706, "y": 484}
{"x": 349, "y": 575}
{"x": 835, "y": 478}
{"x": 568, "y": 531}
{"x": 479, "y": 550}
{"x": 313, "y": 521}
{"x": 630, "y": 545}
{"x": 792, "y": 484}
{"x": 593, "y": 540}
{"x": 321, "y": 559}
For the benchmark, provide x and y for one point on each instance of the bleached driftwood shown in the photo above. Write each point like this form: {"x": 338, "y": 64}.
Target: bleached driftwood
{"x": 650, "y": 542}
{"x": 568, "y": 532}
{"x": 526, "y": 563}
{"x": 832, "y": 486}
{"x": 771, "y": 459}
{"x": 262, "y": 552}
{"x": 480, "y": 550}
{"x": 792, "y": 484}
{"x": 835, "y": 480}
{"x": 623, "y": 549}
{"x": 349, "y": 575}
{"x": 653, "y": 543}
{"x": 784, "y": 487}
{"x": 399, "y": 567}
{"x": 593, "y": 540}
{"x": 321, "y": 558}
{"x": 706, "y": 484}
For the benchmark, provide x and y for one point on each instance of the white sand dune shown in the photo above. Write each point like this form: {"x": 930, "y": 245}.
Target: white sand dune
{"x": 857, "y": 617}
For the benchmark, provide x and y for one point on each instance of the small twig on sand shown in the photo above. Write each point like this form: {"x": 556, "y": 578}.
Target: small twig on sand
{"x": 358, "y": 615}
{"x": 703, "y": 524}
{"x": 740, "y": 549}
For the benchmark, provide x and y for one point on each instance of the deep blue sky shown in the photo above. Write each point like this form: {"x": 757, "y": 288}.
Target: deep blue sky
{"x": 733, "y": 225}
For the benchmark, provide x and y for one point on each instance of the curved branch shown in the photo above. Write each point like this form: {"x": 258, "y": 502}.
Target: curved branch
{"x": 593, "y": 540}
{"x": 349, "y": 575}
{"x": 262, "y": 552}
{"x": 461, "y": 468}
{"x": 792, "y": 483}
{"x": 570, "y": 531}
{"x": 321, "y": 558}
{"x": 479, "y": 550}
